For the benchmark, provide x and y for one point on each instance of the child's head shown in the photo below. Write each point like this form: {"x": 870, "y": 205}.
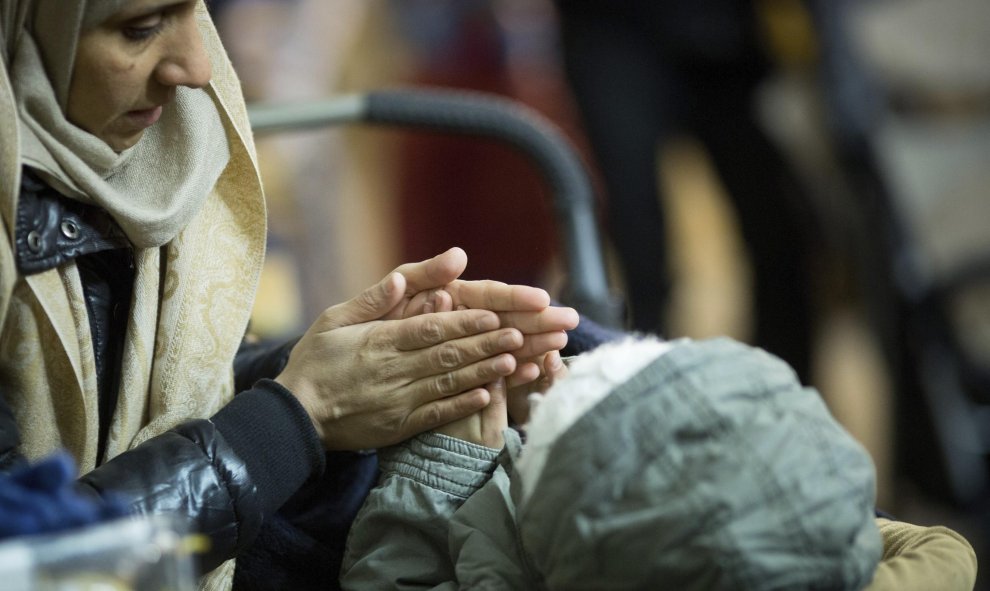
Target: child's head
{"x": 693, "y": 466}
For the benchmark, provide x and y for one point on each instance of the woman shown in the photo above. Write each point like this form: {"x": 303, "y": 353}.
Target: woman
{"x": 132, "y": 238}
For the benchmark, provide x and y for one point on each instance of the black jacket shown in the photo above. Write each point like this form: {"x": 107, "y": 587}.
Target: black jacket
{"x": 222, "y": 473}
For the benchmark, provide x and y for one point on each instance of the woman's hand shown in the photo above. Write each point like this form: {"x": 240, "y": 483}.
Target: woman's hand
{"x": 442, "y": 272}
{"x": 381, "y": 382}
{"x": 432, "y": 286}
{"x": 370, "y": 384}
{"x": 485, "y": 426}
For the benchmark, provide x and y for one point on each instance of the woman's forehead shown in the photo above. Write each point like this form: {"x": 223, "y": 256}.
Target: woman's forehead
{"x": 126, "y": 9}
{"x": 97, "y": 12}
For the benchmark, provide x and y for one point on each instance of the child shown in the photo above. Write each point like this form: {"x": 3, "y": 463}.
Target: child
{"x": 653, "y": 465}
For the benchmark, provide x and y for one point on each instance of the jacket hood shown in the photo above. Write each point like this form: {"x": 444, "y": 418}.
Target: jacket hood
{"x": 711, "y": 468}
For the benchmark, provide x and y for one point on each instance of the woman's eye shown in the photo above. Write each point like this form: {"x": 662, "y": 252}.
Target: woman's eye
{"x": 143, "y": 28}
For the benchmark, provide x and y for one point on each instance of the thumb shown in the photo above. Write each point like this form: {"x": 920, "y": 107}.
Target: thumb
{"x": 371, "y": 304}
{"x": 435, "y": 272}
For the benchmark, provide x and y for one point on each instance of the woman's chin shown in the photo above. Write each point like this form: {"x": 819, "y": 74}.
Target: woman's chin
{"x": 120, "y": 142}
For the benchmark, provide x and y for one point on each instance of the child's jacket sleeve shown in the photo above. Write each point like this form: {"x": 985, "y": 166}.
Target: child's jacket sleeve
{"x": 418, "y": 529}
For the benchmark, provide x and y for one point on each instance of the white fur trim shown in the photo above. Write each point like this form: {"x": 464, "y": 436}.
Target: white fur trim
{"x": 592, "y": 377}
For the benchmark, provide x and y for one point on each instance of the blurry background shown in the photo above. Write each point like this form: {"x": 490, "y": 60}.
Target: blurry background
{"x": 816, "y": 178}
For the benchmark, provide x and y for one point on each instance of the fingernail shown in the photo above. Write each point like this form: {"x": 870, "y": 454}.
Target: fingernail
{"x": 389, "y": 284}
{"x": 503, "y": 363}
{"x": 442, "y": 300}
{"x": 507, "y": 339}
{"x": 555, "y": 361}
{"x": 486, "y": 322}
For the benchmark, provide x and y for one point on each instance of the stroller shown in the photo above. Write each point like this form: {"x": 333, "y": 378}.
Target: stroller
{"x": 929, "y": 287}
{"x": 925, "y": 282}
{"x": 495, "y": 118}
{"x": 929, "y": 283}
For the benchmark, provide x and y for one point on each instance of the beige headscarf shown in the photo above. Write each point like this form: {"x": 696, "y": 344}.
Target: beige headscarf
{"x": 188, "y": 196}
{"x": 152, "y": 189}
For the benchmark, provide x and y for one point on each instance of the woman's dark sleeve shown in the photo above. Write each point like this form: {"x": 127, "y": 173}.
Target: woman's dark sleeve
{"x": 225, "y": 474}
{"x": 259, "y": 360}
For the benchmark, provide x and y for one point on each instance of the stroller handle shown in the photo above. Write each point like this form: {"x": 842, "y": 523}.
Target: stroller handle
{"x": 492, "y": 117}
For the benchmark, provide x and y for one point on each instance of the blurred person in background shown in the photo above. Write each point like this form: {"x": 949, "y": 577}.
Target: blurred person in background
{"x": 644, "y": 71}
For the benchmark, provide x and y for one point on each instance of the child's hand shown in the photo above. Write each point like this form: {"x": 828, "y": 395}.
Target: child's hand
{"x": 552, "y": 369}
{"x": 485, "y": 426}
{"x": 539, "y": 366}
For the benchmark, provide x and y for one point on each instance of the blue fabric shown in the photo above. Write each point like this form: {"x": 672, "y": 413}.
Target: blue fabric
{"x": 42, "y": 498}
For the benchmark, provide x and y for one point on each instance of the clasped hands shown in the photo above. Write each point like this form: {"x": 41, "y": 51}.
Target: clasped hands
{"x": 423, "y": 349}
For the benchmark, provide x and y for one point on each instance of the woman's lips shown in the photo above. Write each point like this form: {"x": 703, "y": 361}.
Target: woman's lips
{"x": 145, "y": 117}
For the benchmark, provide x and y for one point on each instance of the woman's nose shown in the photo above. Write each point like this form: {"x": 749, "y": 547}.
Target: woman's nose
{"x": 185, "y": 62}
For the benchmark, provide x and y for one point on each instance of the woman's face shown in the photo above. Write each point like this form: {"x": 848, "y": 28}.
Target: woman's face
{"x": 128, "y": 67}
